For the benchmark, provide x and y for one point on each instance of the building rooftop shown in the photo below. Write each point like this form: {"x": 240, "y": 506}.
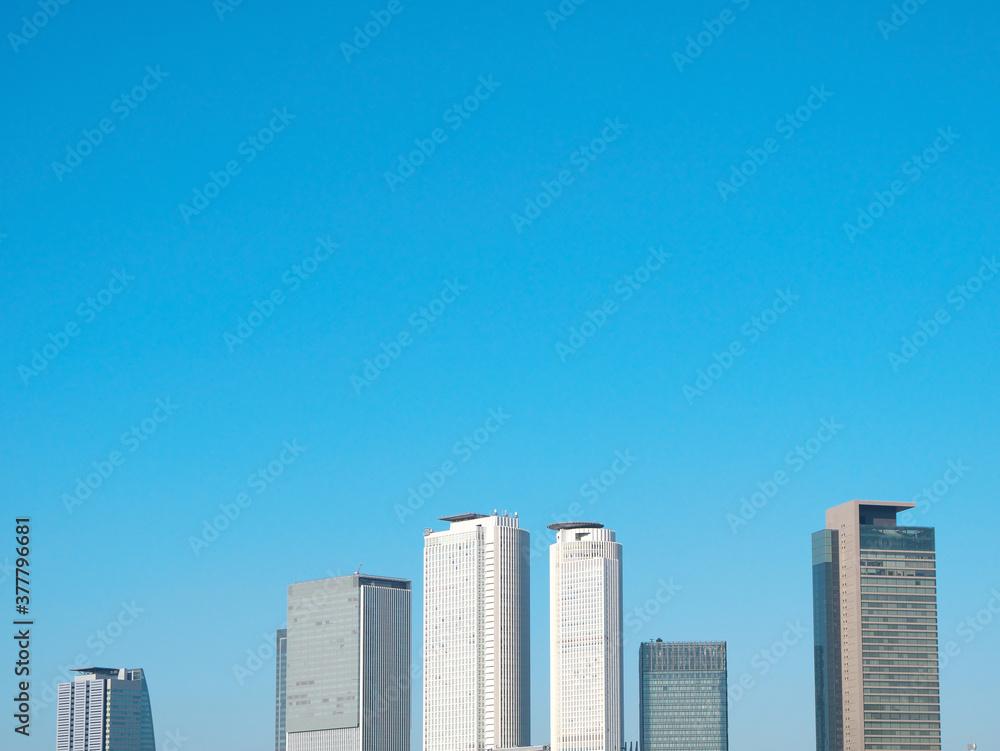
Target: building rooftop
{"x": 866, "y": 513}
{"x": 96, "y": 670}
{"x": 462, "y": 517}
{"x": 576, "y": 525}
{"x": 356, "y": 575}
{"x": 896, "y": 506}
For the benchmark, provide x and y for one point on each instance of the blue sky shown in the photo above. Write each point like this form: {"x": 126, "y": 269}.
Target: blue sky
{"x": 128, "y": 299}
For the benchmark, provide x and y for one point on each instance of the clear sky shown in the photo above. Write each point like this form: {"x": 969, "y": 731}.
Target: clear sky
{"x": 227, "y": 215}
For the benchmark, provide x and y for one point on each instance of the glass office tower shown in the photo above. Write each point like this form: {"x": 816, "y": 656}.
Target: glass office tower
{"x": 104, "y": 709}
{"x": 875, "y": 630}
{"x": 280, "y": 670}
{"x": 348, "y": 669}
{"x": 683, "y": 696}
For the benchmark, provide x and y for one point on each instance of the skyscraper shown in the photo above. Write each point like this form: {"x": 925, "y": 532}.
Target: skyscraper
{"x": 280, "y": 672}
{"x": 683, "y": 702}
{"x": 476, "y": 649}
{"x": 104, "y": 709}
{"x": 348, "y": 665}
{"x": 875, "y": 626}
{"x": 585, "y": 591}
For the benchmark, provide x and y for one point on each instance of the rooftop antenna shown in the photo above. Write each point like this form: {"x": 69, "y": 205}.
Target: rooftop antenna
{"x": 359, "y": 568}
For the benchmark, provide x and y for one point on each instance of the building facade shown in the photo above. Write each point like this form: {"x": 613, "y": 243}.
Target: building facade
{"x": 348, "y": 665}
{"x": 875, "y": 630}
{"x": 476, "y": 641}
{"x": 585, "y": 611}
{"x": 104, "y": 709}
{"x": 683, "y": 696}
{"x": 280, "y": 673}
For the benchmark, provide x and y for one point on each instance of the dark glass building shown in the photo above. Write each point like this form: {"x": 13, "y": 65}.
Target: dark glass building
{"x": 875, "y": 630}
{"x": 683, "y": 696}
{"x": 280, "y": 670}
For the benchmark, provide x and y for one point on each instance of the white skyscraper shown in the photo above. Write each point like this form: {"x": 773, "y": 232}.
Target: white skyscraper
{"x": 585, "y": 591}
{"x": 476, "y": 651}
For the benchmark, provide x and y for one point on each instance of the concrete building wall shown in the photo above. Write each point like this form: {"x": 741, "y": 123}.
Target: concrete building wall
{"x": 348, "y": 665}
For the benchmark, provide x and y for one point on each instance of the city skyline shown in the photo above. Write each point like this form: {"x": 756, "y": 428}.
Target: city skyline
{"x": 285, "y": 284}
{"x": 876, "y": 650}
{"x": 474, "y": 575}
{"x": 320, "y": 591}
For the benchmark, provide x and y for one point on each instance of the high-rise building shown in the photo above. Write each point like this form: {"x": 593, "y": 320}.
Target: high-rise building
{"x": 348, "y": 665}
{"x": 280, "y": 672}
{"x": 875, "y": 627}
{"x": 476, "y": 649}
{"x": 683, "y": 701}
{"x": 104, "y": 709}
{"x": 585, "y": 592}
